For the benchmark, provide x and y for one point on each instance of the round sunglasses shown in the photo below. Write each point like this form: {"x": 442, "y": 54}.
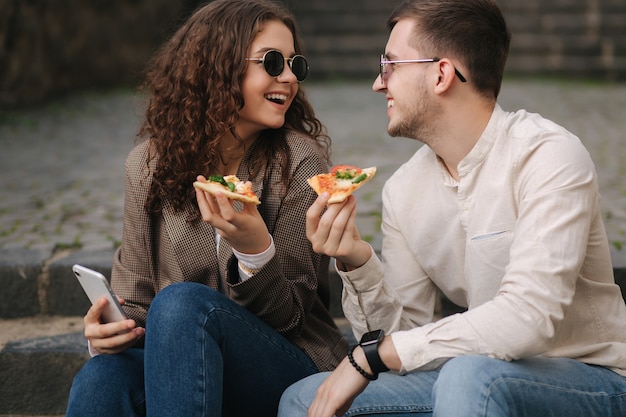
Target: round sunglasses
{"x": 274, "y": 64}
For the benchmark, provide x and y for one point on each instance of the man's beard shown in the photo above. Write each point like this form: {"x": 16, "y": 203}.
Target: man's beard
{"x": 419, "y": 121}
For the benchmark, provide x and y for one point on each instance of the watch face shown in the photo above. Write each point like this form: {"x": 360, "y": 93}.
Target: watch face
{"x": 370, "y": 337}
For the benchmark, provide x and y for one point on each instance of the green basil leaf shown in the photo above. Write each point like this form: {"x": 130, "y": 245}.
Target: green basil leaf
{"x": 359, "y": 178}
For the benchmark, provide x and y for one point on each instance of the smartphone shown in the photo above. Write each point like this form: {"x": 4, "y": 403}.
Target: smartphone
{"x": 96, "y": 286}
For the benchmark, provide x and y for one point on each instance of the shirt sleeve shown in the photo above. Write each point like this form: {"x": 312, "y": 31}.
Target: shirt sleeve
{"x": 378, "y": 295}
{"x": 367, "y": 301}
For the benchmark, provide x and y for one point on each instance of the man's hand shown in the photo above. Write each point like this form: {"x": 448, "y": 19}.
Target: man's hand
{"x": 336, "y": 394}
{"x": 334, "y": 233}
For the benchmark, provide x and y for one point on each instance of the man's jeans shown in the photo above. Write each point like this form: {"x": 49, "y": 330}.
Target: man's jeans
{"x": 204, "y": 356}
{"x": 477, "y": 386}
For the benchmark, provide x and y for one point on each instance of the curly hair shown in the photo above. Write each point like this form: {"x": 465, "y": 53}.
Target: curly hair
{"x": 194, "y": 85}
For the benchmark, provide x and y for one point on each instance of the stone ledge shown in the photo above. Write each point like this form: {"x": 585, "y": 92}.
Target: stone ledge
{"x": 41, "y": 369}
{"x": 65, "y": 296}
{"x": 33, "y": 285}
{"x": 33, "y": 282}
{"x": 19, "y": 272}
{"x": 38, "y": 373}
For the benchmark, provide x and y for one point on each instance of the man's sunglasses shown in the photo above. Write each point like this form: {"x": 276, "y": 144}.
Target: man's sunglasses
{"x": 274, "y": 64}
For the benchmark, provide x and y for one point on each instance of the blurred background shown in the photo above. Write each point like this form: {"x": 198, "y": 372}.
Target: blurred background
{"x": 69, "y": 110}
{"x": 48, "y": 48}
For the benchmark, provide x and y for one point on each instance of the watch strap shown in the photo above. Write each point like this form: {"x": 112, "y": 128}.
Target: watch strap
{"x": 373, "y": 357}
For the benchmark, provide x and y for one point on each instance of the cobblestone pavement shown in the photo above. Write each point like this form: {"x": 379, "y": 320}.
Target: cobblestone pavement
{"x": 62, "y": 166}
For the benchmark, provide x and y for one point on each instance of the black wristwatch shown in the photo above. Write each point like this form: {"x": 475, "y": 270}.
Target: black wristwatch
{"x": 369, "y": 343}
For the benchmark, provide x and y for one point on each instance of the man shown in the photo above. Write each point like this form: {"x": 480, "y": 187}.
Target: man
{"x": 501, "y": 212}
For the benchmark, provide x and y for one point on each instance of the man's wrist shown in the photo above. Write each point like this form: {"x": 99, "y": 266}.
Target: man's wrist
{"x": 357, "y": 260}
{"x": 357, "y": 357}
{"x": 370, "y": 343}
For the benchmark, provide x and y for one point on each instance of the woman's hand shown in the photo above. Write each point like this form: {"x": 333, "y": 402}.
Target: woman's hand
{"x": 110, "y": 337}
{"x": 245, "y": 231}
{"x": 334, "y": 233}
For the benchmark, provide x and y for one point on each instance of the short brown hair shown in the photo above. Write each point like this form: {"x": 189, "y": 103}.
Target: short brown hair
{"x": 472, "y": 31}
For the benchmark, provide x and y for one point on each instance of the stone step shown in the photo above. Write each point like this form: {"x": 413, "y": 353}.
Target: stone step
{"x": 33, "y": 283}
{"x": 37, "y": 372}
{"x": 41, "y": 353}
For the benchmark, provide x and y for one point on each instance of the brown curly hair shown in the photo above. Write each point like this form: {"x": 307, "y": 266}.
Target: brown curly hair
{"x": 194, "y": 83}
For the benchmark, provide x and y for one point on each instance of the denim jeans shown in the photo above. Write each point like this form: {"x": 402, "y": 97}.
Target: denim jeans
{"x": 477, "y": 386}
{"x": 204, "y": 355}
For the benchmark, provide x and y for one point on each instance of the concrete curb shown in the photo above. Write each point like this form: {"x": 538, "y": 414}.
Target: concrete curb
{"x": 41, "y": 372}
{"x": 35, "y": 282}
{"x": 37, "y": 372}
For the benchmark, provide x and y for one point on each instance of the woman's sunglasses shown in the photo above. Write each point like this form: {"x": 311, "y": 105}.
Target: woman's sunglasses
{"x": 274, "y": 64}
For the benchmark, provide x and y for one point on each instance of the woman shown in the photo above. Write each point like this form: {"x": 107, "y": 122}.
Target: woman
{"x": 237, "y": 299}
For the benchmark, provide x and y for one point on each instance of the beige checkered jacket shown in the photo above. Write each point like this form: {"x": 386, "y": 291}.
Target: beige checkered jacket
{"x": 290, "y": 293}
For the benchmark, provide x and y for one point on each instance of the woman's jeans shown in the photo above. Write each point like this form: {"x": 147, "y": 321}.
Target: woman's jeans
{"x": 204, "y": 355}
{"x": 477, "y": 386}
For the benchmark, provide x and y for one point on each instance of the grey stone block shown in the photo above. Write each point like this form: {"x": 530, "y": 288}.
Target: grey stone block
{"x": 65, "y": 296}
{"x": 37, "y": 374}
{"x": 19, "y": 272}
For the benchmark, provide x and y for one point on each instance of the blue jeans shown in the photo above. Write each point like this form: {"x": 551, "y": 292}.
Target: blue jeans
{"x": 204, "y": 355}
{"x": 477, "y": 386}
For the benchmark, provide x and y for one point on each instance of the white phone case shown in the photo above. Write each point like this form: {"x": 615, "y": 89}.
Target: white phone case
{"x": 96, "y": 286}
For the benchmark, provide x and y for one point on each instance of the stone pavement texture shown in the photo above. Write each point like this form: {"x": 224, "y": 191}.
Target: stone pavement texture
{"x": 62, "y": 166}
{"x": 61, "y": 200}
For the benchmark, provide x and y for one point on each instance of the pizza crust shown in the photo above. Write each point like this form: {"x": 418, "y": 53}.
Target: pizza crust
{"x": 213, "y": 188}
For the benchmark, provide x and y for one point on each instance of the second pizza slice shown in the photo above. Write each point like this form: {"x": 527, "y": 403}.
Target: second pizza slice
{"x": 341, "y": 181}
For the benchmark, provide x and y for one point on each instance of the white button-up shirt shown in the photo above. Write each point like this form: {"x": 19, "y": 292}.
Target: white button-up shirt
{"x": 519, "y": 240}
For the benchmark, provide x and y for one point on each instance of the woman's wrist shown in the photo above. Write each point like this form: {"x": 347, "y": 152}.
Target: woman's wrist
{"x": 256, "y": 261}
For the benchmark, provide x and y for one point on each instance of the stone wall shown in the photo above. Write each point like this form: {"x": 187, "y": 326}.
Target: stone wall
{"x": 572, "y": 38}
{"x": 52, "y": 47}
{"x": 581, "y": 38}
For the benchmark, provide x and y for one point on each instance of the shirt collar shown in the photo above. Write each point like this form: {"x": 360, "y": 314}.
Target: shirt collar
{"x": 480, "y": 149}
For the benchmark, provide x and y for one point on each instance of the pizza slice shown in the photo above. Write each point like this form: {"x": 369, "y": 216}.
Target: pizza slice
{"x": 342, "y": 181}
{"x": 231, "y": 186}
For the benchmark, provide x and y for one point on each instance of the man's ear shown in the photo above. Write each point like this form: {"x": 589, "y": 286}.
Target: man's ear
{"x": 446, "y": 75}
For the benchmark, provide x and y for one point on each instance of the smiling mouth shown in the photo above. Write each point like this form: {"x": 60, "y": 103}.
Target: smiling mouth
{"x": 276, "y": 98}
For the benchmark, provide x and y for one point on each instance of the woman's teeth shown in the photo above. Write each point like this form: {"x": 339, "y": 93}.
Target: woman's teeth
{"x": 276, "y": 98}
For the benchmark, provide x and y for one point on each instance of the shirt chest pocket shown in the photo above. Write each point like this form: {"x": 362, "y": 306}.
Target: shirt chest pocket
{"x": 486, "y": 257}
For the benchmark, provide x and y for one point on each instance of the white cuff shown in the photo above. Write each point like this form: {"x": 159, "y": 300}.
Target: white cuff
{"x": 249, "y": 264}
